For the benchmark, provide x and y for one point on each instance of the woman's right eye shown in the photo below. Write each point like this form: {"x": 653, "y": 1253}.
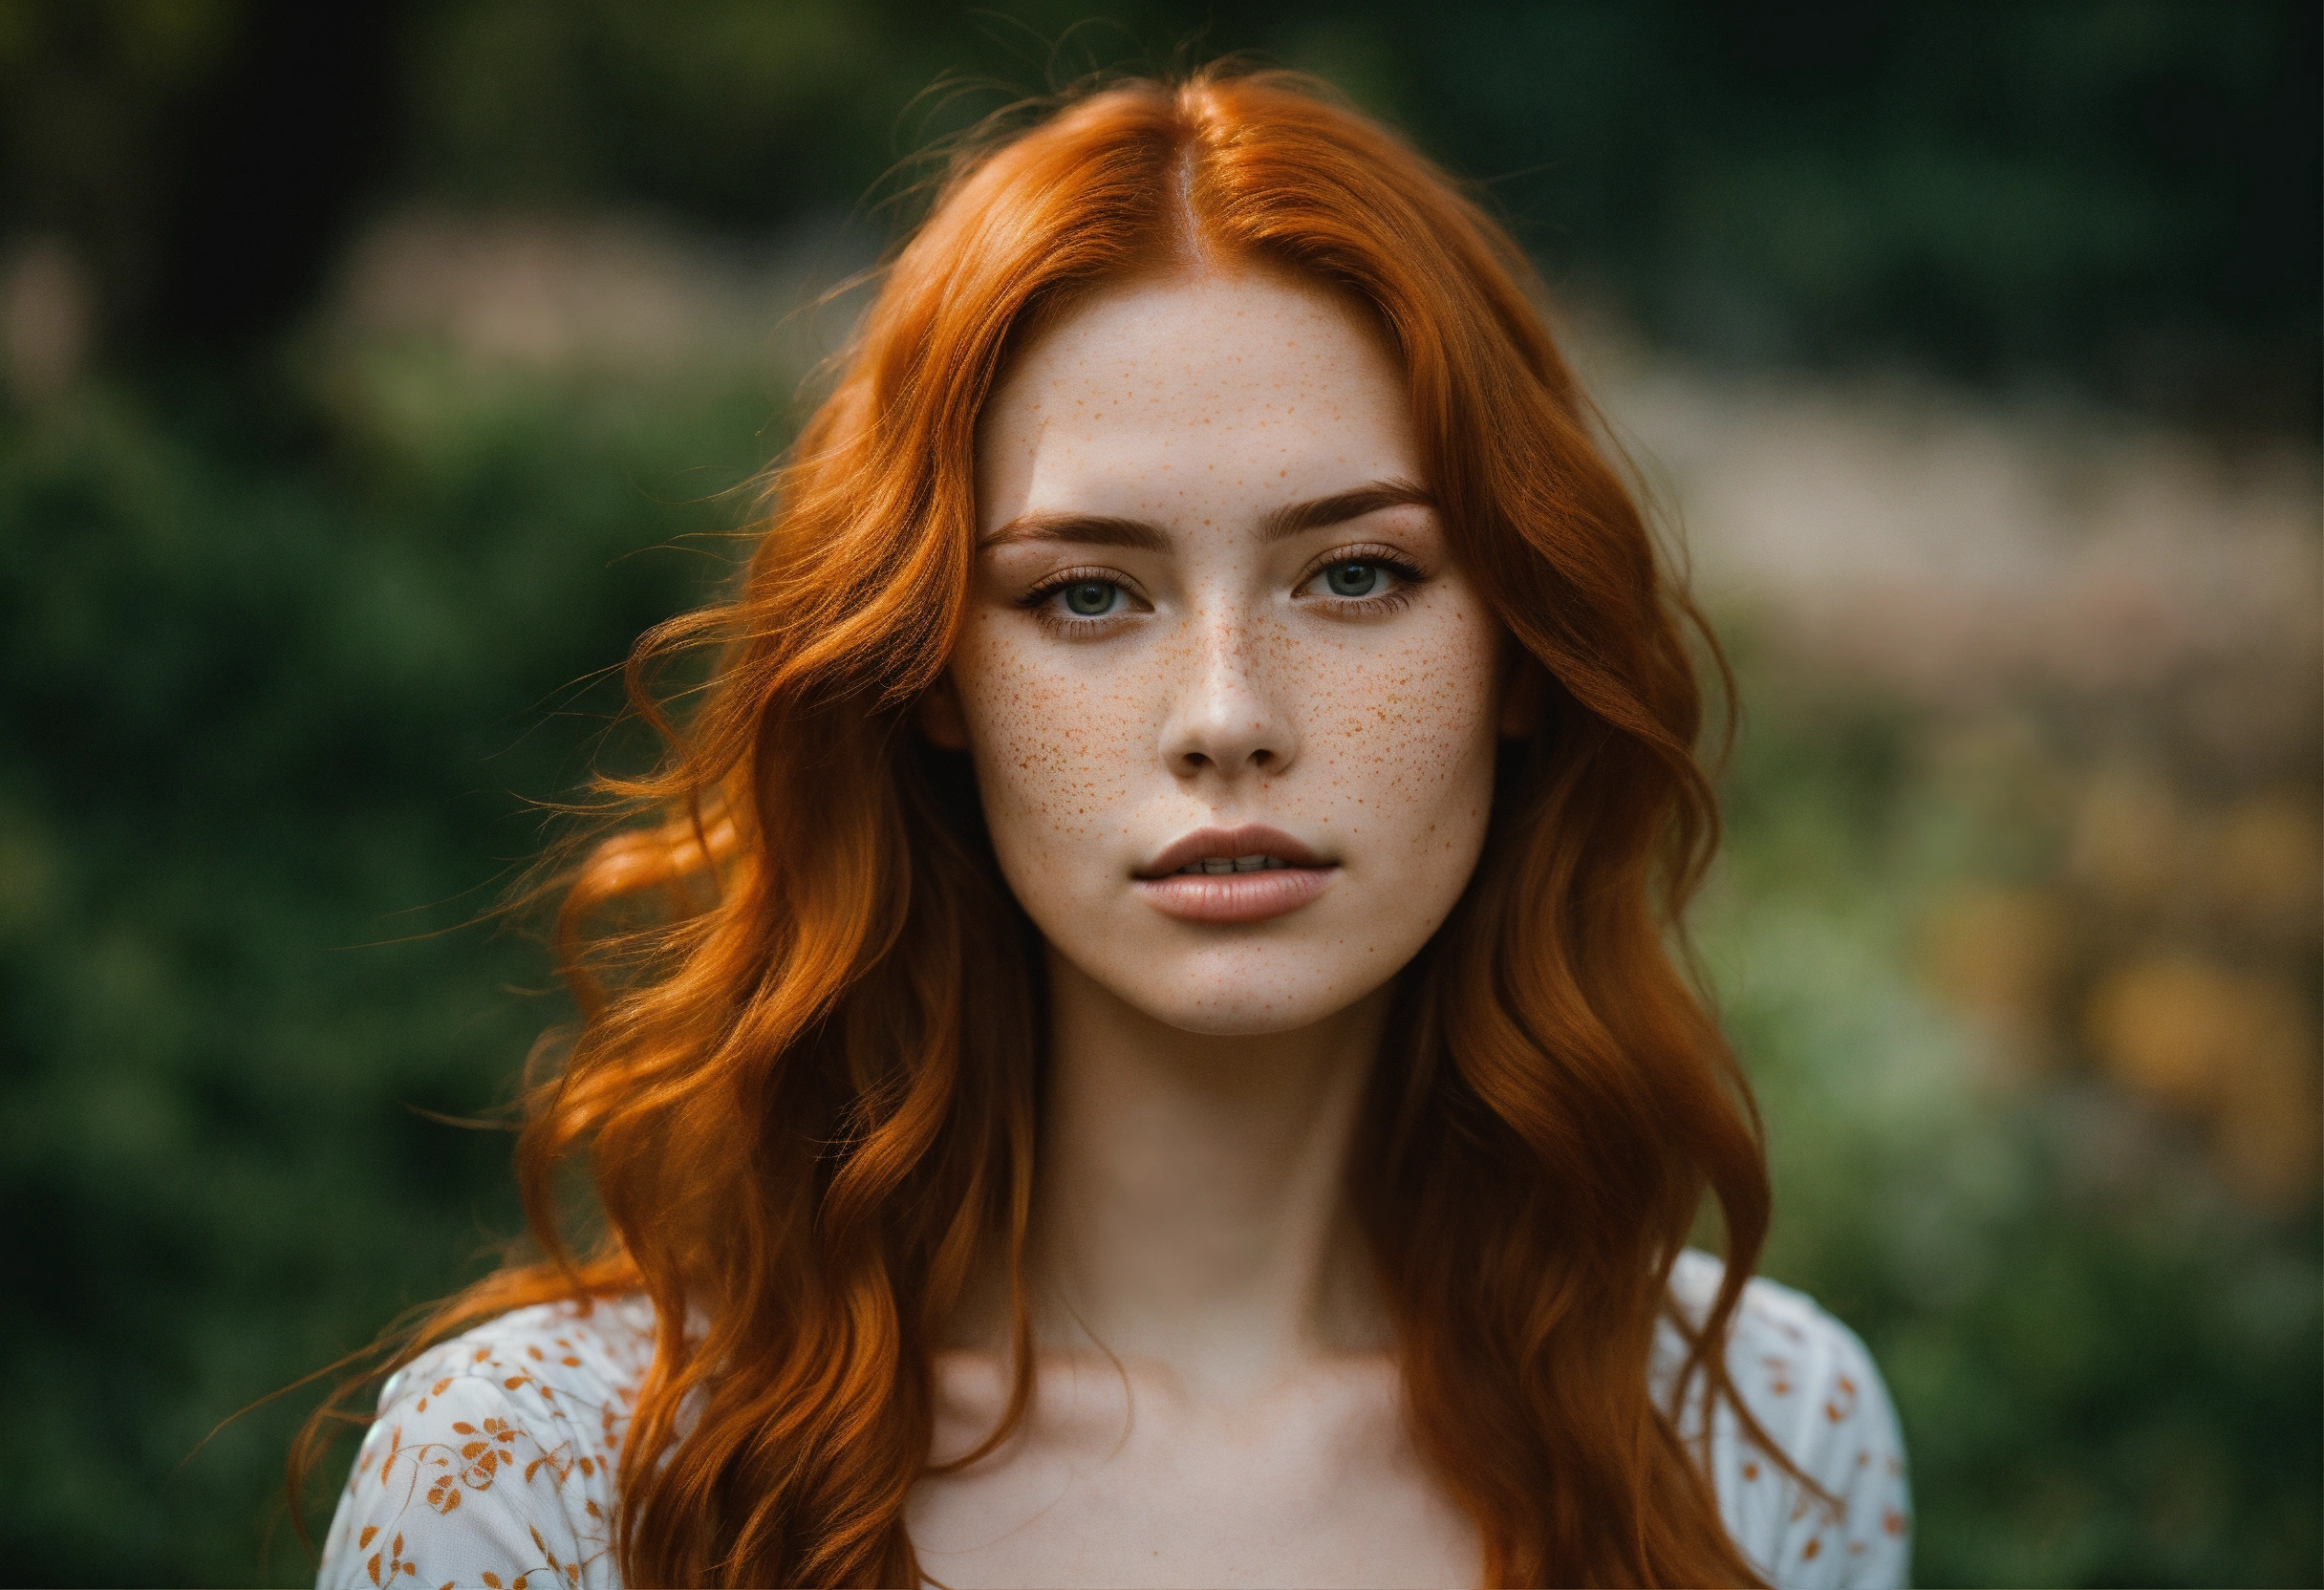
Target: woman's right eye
{"x": 1090, "y": 598}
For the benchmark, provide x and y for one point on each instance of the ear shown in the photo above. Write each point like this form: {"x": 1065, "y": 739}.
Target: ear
{"x": 1523, "y": 682}
{"x": 939, "y": 715}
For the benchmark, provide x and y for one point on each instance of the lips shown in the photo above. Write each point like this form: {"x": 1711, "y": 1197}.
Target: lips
{"x": 1243, "y": 874}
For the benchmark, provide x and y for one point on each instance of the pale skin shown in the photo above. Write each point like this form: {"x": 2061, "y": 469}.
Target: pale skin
{"x": 1211, "y": 598}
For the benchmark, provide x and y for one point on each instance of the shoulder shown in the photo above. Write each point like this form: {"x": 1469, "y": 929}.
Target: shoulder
{"x": 1815, "y": 1393}
{"x": 491, "y": 1460}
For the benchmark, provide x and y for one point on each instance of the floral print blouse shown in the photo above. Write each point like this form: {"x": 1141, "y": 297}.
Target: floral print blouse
{"x": 491, "y": 1465}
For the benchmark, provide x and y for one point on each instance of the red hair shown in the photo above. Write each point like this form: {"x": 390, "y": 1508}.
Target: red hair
{"x": 808, "y": 1070}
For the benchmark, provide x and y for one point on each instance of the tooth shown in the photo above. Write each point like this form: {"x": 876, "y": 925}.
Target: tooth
{"x": 1275, "y": 862}
{"x": 1250, "y": 864}
{"x": 1217, "y": 863}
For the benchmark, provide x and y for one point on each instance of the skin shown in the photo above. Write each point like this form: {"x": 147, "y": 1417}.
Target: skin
{"x": 1219, "y": 1401}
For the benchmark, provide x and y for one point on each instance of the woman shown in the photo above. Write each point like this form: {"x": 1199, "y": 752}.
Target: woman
{"x": 1140, "y": 1044}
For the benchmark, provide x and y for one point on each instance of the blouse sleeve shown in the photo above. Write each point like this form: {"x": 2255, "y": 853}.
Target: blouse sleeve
{"x": 481, "y": 1472}
{"x": 1815, "y": 1393}
{"x": 1846, "y": 1440}
{"x": 1812, "y": 1388}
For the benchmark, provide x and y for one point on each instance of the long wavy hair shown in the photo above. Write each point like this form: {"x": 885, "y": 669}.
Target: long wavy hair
{"x": 805, "y": 1081}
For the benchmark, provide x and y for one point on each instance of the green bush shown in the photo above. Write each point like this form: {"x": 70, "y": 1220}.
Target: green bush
{"x": 270, "y": 714}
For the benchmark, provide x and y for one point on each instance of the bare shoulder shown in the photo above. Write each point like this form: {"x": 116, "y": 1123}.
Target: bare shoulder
{"x": 492, "y": 1455}
{"x": 1811, "y": 1388}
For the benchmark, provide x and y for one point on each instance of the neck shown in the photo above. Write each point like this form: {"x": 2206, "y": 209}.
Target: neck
{"x": 1191, "y": 1210}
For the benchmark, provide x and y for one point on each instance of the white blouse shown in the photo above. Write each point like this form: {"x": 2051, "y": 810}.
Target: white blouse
{"x": 491, "y": 1462}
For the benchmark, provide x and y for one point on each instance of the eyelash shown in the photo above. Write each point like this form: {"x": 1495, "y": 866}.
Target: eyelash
{"x": 1409, "y": 579}
{"x": 1041, "y": 602}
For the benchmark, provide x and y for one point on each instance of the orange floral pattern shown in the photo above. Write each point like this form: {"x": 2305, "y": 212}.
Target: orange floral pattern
{"x": 491, "y": 1465}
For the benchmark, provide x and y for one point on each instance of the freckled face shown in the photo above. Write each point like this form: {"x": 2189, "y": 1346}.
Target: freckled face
{"x": 1208, "y": 617}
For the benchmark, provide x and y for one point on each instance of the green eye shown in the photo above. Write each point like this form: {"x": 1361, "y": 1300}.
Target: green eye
{"x": 1091, "y": 598}
{"x": 1352, "y": 579}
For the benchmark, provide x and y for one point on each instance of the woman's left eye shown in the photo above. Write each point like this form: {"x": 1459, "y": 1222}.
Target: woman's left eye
{"x": 1363, "y": 581}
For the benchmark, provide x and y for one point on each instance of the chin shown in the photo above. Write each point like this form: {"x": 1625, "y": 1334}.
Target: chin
{"x": 1238, "y": 994}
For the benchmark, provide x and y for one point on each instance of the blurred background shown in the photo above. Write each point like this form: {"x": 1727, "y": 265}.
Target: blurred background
{"x": 374, "y": 373}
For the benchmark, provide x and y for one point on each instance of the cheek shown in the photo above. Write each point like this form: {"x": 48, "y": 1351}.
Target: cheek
{"x": 1404, "y": 735}
{"x": 1050, "y": 746}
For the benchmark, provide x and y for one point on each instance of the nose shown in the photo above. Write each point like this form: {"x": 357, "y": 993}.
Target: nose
{"x": 1229, "y": 716}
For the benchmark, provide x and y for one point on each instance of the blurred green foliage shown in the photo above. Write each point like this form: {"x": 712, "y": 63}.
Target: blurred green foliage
{"x": 2107, "y": 1369}
{"x": 2120, "y": 193}
{"x": 268, "y": 696}
{"x": 290, "y": 640}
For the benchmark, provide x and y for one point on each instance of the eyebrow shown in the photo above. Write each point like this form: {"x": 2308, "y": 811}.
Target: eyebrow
{"x": 1094, "y": 530}
{"x": 1319, "y": 512}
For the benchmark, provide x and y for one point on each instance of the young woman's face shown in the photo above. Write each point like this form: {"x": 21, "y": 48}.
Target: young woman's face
{"x": 1232, "y": 708}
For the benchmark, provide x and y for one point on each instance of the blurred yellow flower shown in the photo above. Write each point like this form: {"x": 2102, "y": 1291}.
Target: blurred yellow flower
{"x": 2234, "y": 1049}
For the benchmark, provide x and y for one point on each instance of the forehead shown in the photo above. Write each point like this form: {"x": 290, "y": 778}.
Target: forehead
{"x": 1195, "y": 395}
